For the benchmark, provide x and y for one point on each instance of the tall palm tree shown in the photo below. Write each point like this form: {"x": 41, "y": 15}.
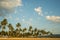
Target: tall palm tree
{"x": 24, "y": 32}
{"x": 0, "y": 26}
{"x": 49, "y": 33}
{"x": 38, "y": 33}
{"x": 43, "y": 32}
{"x": 35, "y": 32}
{"x": 11, "y": 29}
{"x": 3, "y": 24}
{"x": 30, "y": 28}
{"x": 18, "y": 25}
{"x": 30, "y": 31}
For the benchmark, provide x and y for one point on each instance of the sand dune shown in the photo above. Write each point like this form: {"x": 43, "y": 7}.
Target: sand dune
{"x": 29, "y": 38}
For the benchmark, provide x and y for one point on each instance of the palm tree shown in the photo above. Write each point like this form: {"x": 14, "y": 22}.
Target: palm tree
{"x": 3, "y": 24}
{"x": 11, "y": 29}
{"x": 18, "y": 25}
{"x": 30, "y": 31}
{"x": 24, "y": 32}
{"x": 38, "y": 33}
{"x": 0, "y": 26}
{"x": 49, "y": 33}
{"x": 35, "y": 32}
{"x": 30, "y": 28}
{"x": 43, "y": 32}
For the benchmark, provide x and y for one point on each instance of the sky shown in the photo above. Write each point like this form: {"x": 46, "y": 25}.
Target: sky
{"x": 41, "y": 14}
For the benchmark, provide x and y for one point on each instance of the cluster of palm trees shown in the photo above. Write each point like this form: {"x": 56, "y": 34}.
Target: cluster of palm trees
{"x": 19, "y": 32}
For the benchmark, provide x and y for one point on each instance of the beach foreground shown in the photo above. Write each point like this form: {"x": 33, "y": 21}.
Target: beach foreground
{"x": 29, "y": 38}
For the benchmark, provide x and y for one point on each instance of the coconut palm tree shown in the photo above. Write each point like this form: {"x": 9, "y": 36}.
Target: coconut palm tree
{"x": 49, "y": 33}
{"x": 11, "y": 29}
{"x": 38, "y": 33}
{"x": 18, "y": 25}
{"x": 30, "y": 31}
{"x": 0, "y": 26}
{"x": 24, "y": 32}
{"x": 30, "y": 28}
{"x": 18, "y": 30}
{"x": 3, "y": 24}
{"x": 35, "y": 32}
{"x": 24, "y": 29}
{"x": 43, "y": 32}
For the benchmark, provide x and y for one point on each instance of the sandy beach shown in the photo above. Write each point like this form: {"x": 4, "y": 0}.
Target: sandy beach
{"x": 29, "y": 38}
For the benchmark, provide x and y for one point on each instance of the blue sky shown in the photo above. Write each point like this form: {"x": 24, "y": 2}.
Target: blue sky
{"x": 41, "y": 14}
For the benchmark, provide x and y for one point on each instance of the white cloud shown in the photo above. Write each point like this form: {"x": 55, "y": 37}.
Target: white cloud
{"x": 39, "y": 10}
{"x": 8, "y": 6}
{"x": 53, "y": 18}
{"x": 10, "y": 3}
